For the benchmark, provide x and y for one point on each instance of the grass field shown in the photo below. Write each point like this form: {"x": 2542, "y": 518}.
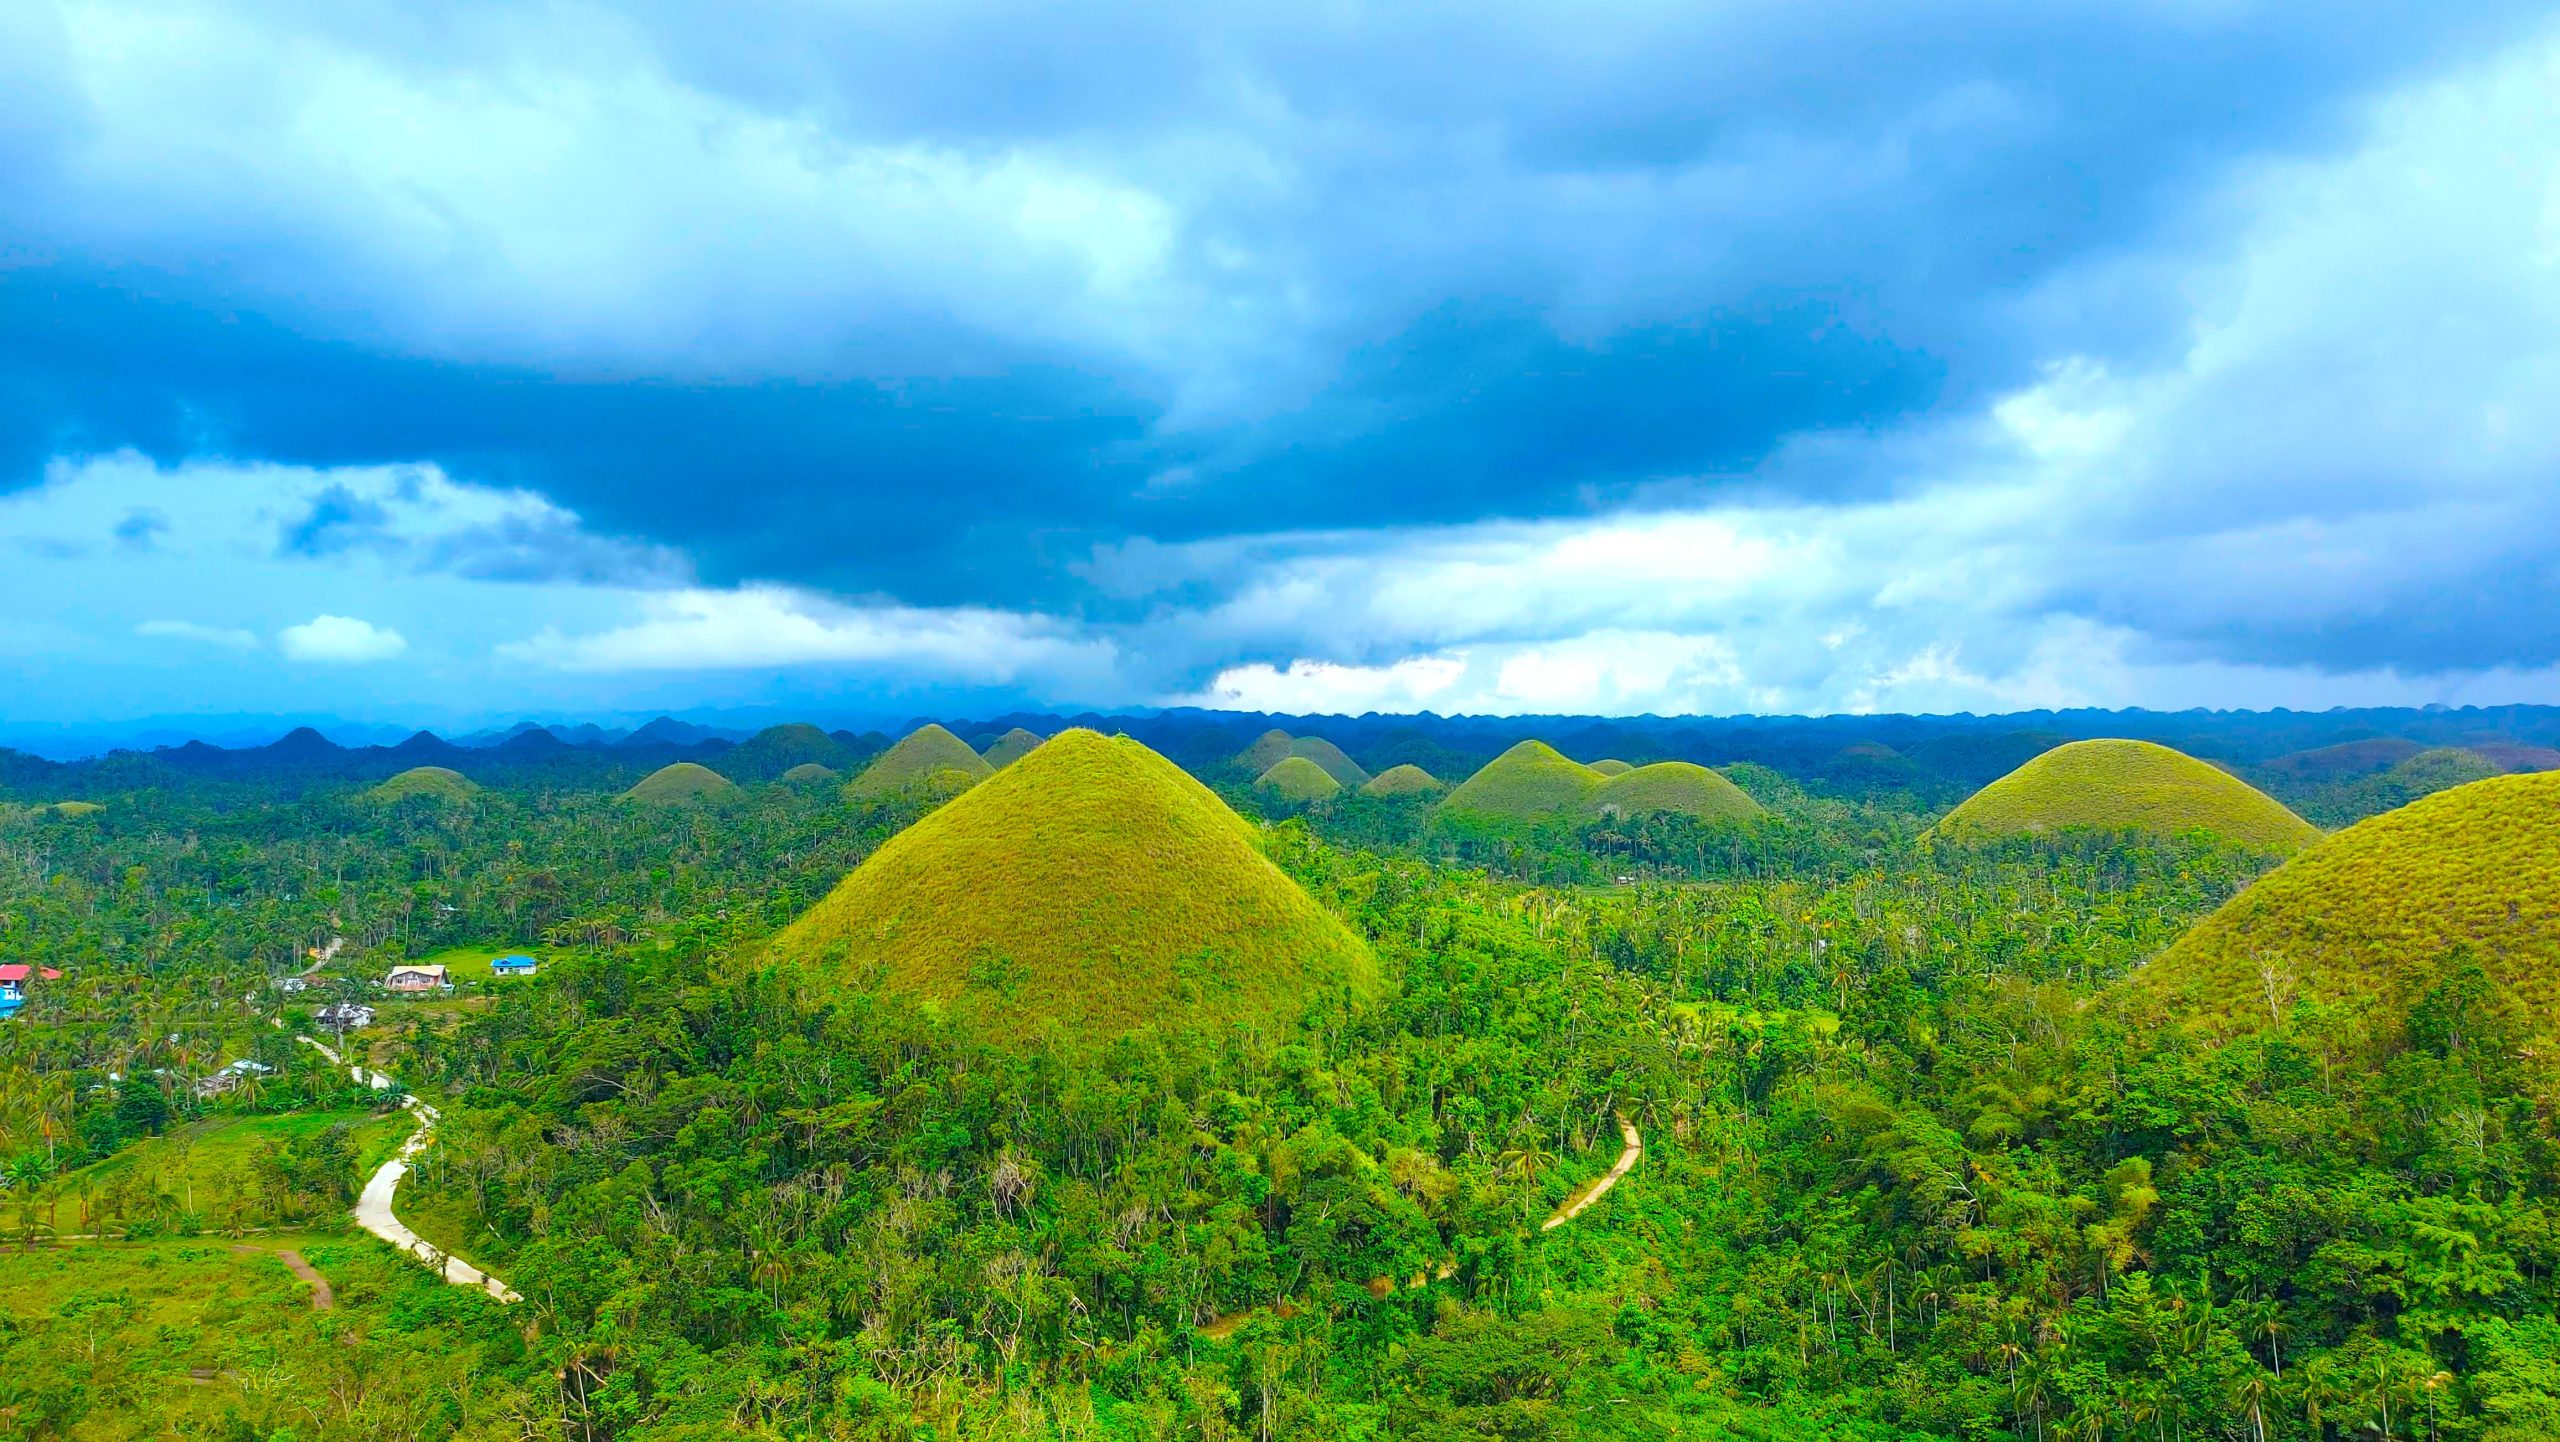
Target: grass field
{"x": 441, "y": 782}
{"x": 203, "y": 1174}
{"x": 211, "y": 1337}
{"x": 471, "y": 963}
{"x": 1092, "y": 884}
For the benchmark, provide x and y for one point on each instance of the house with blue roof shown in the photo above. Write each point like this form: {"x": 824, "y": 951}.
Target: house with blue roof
{"x": 516, "y": 965}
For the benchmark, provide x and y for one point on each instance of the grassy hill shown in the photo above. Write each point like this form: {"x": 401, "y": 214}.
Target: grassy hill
{"x": 1531, "y": 779}
{"x": 441, "y": 782}
{"x": 915, "y": 764}
{"x": 74, "y": 808}
{"x": 684, "y": 783}
{"x": 1343, "y": 770}
{"x": 1092, "y": 884}
{"x": 1612, "y": 767}
{"x": 2126, "y": 786}
{"x": 807, "y": 773}
{"x": 1298, "y": 780}
{"x": 769, "y": 753}
{"x": 1268, "y": 750}
{"x": 2350, "y": 798}
{"x": 1012, "y": 746}
{"x": 1405, "y": 780}
{"x": 2347, "y": 758}
{"x": 2372, "y": 908}
{"x": 1680, "y": 786}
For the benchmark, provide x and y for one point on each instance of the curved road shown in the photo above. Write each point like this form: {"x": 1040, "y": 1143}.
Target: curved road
{"x": 373, "y": 1205}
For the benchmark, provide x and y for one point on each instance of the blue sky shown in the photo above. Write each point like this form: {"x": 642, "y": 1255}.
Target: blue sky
{"x": 441, "y": 363}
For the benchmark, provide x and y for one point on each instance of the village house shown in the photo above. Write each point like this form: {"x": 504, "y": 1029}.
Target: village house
{"x": 229, "y": 1078}
{"x": 343, "y": 1016}
{"x": 15, "y": 977}
{"x": 518, "y": 965}
{"x": 410, "y": 980}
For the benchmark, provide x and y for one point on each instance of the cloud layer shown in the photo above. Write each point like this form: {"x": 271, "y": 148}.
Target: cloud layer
{"x": 1372, "y": 358}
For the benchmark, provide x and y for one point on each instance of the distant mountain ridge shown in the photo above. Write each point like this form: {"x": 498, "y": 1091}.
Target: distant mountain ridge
{"x": 1944, "y": 755}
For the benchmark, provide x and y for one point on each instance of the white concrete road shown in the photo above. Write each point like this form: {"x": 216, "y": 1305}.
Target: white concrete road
{"x": 373, "y": 1205}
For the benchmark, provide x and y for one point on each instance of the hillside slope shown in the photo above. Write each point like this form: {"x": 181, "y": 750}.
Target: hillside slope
{"x": 441, "y": 782}
{"x": 2368, "y": 908}
{"x": 1530, "y": 780}
{"x": 1404, "y": 780}
{"x": 684, "y": 783}
{"x": 1680, "y": 786}
{"x": 919, "y": 761}
{"x": 1299, "y": 780}
{"x": 1094, "y": 885}
{"x": 2126, "y": 786}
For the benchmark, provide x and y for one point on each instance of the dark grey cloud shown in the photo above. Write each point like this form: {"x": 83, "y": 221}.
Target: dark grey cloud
{"x": 1384, "y": 268}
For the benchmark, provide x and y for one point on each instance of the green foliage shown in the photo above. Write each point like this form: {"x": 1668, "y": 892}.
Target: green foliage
{"x": 2362, "y": 916}
{"x": 1298, "y": 781}
{"x": 1679, "y": 786}
{"x": 1091, "y": 886}
{"x": 1530, "y": 780}
{"x": 684, "y": 783}
{"x": 2350, "y": 798}
{"x": 928, "y": 759}
{"x": 2126, "y": 786}
{"x": 1406, "y": 779}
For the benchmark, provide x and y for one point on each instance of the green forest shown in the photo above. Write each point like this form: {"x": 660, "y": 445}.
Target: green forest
{"x": 1521, "y": 1097}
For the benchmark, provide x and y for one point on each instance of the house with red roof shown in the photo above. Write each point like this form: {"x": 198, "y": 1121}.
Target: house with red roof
{"x": 14, "y": 979}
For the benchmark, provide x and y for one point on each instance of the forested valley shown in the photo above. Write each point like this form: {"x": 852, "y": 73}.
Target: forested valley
{"x": 1902, "y": 1148}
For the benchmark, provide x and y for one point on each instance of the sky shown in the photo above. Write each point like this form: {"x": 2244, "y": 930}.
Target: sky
{"x": 448, "y": 363}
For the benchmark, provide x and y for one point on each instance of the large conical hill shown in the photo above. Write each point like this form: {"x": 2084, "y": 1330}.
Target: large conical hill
{"x": 1268, "y": 750}
{"x": 808, "y": 773}
{"x": 1404, "y": 780}
{"x": 1092, "y": 885}
{"x": 1681, "y": 786}
{"x": 1530, "y": 780}
{"x": 916, "y": 764}
{"x": 440, "y": 782}
{"x": 1338, "y": 765}
{"x": 685, "y": 783}
{"x": 2377, "y": 908}
{"x": 1299, "y": 780}
{"x": 1012, "y": 746}
{"x": 2126, "y": 786}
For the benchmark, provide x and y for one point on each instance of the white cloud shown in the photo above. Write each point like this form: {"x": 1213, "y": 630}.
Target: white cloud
{"x": 340, "y": 640}
{"x": 230, "y": 638}
{"x": 770, "y": 626}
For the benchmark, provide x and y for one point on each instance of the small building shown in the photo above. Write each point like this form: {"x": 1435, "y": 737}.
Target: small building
{"x": 291, "y": 984}
{"x": 413, "y": 979}
{"x": 516, "y": 965}
{"x": 229, "y": 1078}
{"x": 16, "y": 976}
{"x": 343, "y": 1016}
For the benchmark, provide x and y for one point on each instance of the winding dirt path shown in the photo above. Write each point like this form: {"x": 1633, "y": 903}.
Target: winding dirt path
{"x": 322, "y": 1298}
{"x": 1218, "y": 1329}
{"x": 1580, "y": 1202}
{"x": 373, "y": 1204}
